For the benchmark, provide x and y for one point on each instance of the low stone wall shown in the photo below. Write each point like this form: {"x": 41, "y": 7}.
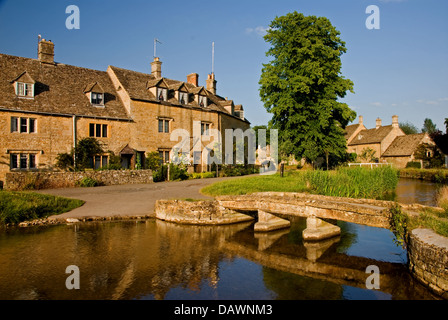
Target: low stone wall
{"x": 197, "y": 212}
{"x": 428, "y": 260}
{"x": 52, "y": 180}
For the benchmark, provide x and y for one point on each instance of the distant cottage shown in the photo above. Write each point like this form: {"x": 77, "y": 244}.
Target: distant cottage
{"x": 386, "y": 144}
{"x": 46, "y": 107}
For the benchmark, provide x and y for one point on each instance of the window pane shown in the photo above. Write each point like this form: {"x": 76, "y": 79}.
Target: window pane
{"x": 160, "y": 125}
{"x": 104, "y": 130}
{"x": 32, "y": 125}
{"x": 91, "y": 129}
{"x": 100, "y": 98}
{"x": 20, "y": 89}
{"x": 104, "y": 161}
{"x": 98, "y": 130}
{"x": 161, "y": 156}
{"x": 167, "y": 156}
{"x": 97, "y": 162}
{"x": 202, "y": 129}
{"x": 13, "y": 161}
{"x": 23, "y": 124}
{"x": 28, "y": 89}
{"x": 23, "y": 161}
{"x": 167, "y": 126}
{"x": 32, "y": 161}
{"x": 14, "y": 124}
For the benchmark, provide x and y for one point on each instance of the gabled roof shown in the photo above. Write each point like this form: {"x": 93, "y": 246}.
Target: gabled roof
{"x": 137, "y": 84}
{"x": 369, "y": 136}
{"x": 24, "y": 77}
{"x": 404, "y": 145}
{"x": 58, "y": 89}
{"x": 94, "y": 87}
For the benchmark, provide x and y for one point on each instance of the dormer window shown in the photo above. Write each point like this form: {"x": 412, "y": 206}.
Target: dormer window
{"x": 203, "y": 101}
{"x": 162, "y": 94}
{"x": 97, "y": 98}
{"x": 183, "y": 97}
{"x": 25, "y": 90}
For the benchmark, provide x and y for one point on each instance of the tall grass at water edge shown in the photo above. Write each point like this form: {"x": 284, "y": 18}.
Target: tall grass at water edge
{"x": 377, "y": 183}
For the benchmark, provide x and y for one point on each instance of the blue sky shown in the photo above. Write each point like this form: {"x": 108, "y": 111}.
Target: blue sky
{"x": 401, "y": 69}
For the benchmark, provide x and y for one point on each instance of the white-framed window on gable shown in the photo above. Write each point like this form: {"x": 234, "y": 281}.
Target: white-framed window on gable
{"x": 183, "y": 98}
{"x": 97, "y": 98}
{"x": 203, "y": 101}
{"x": 25, "y": 90}
{"x": 162, "y": 94}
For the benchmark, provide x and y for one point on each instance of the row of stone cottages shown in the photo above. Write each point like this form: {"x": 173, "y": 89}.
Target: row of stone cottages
{"x": 46, "y": 106}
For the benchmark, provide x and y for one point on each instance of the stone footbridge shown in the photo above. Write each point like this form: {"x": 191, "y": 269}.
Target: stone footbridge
{"x": 274, "y": 208}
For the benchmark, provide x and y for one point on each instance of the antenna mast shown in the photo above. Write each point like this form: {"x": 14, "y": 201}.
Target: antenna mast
{"x": 155, "y": 46}
{"x": 213, "y": 57}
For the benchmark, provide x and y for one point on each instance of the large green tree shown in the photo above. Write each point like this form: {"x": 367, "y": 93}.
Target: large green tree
{"x": 301, "y": 86}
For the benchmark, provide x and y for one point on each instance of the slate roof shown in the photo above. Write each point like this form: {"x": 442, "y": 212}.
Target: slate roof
{"x": 404, "y": 145}
{"x": 59, "y": 89}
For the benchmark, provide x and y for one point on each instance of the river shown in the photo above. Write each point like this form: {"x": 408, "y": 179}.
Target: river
{"x": 152, "y": 259}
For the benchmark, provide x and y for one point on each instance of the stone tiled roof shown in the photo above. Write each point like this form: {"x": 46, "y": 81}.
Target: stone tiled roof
{"x": 137, "y": 84}
{"x": 404, "y": 145}
{"x": 59, "y": 89}
{"x": 371, "y": 135}
{"x": 349, "y": 130}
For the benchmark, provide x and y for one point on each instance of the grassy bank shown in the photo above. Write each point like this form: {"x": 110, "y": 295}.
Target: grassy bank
{"x": 16, "y": 207}
{"x": 434, "y": 175}
{"x": 376, "y": 183}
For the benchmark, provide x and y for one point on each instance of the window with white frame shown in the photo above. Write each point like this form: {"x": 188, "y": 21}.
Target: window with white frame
{"x": 23, "y": 161}
{"x": 23, "y": 125}
{"x": 25, "y": 90}
{"x": 162, "y": 94}
{"x": 183, "y": 98}
{"x": 205, "y": 129}
{"x": 97, "y": 98}
{"x": 202, "y": 101}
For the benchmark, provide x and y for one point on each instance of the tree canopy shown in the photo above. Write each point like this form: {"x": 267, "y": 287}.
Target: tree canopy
{"x": 301, "y": 85}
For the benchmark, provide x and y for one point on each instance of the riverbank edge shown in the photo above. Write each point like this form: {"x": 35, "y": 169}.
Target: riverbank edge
{"x": 433, "y": 175}
{"x": 428, "y": 260}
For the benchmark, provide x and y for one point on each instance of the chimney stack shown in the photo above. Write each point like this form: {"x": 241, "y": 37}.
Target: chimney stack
{"x": 361, "y": 119}
{"x": 211, "y": 83}
{"x": 45, "y": 52}
{"x": 156, "y": 68}
{"x": 378, "y": 123}
{"x": 193, "y": 78}
{"x": 395, "y": 122}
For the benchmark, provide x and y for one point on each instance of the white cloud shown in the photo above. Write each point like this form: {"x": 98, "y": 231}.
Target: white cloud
{"x": 376, "y": 104}
{"x": 433, "y": 102}
{"x": 260, "y": 31}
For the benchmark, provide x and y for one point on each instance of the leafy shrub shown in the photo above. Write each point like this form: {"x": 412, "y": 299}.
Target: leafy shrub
{"x": 414, "y": 164}
{"x": 202, "y": 175}
{"x": 87, "y": 182}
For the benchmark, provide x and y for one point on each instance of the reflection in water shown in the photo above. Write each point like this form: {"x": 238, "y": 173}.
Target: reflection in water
{"x": 158, "y": 260}
{"x": 411, "y": 191}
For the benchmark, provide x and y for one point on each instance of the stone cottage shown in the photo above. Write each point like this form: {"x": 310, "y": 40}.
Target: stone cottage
{"x": 47, "y": 106}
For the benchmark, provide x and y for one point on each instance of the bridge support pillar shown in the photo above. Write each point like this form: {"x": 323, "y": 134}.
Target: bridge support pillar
{"x": 268, "y": 222}
{"x": 317, "y": 229}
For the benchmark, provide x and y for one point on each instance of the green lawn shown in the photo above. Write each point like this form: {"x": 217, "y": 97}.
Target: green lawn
{"x": 16, "y": 207}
